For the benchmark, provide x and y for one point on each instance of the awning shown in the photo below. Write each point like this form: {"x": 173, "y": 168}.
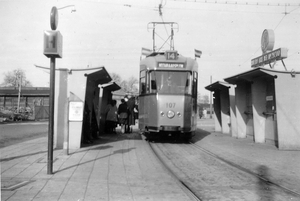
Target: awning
{"x": 99, "y": 77}
{"x": 112, "y": 86}
{"x": 252, "y": 74}
{"x": 219, "y": 85}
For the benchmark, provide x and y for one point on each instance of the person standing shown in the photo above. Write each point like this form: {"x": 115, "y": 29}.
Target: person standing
{"x": 123, "y": 114}
{"x": 131, "y": 121}
{"x": 204, "y": 113}
{"x": 111, "y": 117}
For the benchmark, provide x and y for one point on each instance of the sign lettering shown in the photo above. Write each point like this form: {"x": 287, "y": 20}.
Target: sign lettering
{"x": 170, "y": 65}
{"x": 269, "y": 57}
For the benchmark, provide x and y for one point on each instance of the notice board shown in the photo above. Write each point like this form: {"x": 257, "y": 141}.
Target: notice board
{"x": 75, "y": 111}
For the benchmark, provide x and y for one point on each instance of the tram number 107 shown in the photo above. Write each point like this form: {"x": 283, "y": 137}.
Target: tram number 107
{"x": 170, "y": 105}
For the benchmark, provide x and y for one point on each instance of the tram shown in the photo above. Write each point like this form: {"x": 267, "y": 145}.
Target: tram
{"x": 168, "y": 95}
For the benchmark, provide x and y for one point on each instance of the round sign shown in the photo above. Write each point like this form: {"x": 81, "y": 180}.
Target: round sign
{"x": 54, "y": 18}
{"x": 267, "y": 40}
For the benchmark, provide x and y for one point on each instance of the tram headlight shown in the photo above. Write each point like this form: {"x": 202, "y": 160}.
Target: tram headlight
{"x": 170, "y": 114}
{"x": 162, "y": 114}
{"x": 178, "y": 114}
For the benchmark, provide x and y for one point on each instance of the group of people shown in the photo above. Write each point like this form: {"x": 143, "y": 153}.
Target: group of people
{"x": 124, "y": 115}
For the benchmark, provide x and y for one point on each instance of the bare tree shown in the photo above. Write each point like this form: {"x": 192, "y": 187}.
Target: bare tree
{"x": 127, "y": 86}
{"x": 116, "y": 78}
{"x": 205, "y": 99}
{"x": 15, "y": 78}
{"x": 132, "y": 84}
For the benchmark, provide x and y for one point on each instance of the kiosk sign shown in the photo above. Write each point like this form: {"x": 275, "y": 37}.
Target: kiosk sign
{"x": 270, "y": 57}
{"x": 268, "y": 54}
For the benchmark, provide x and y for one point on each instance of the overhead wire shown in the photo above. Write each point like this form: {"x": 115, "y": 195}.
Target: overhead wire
{"x": 160, "y": 7}
{"x": 216, "y": 2}
{"x": 285, "y": 14}
{"x": 237, "y": 3}
{"x": 197, "y": 1}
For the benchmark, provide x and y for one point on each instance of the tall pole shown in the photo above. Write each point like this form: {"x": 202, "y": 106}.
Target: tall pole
{"x": 19, "y": 94}
{"x": 210, "y": 100}
{"x": 52, "y": 50}
{"x": 51, "y": 116}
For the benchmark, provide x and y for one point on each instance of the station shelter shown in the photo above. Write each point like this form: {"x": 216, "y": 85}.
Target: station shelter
{"x": 224, "y": 111}
{"x": 271, "y": 99}
{"x": 264, "y": 105}
{"x": 81, "y": 97}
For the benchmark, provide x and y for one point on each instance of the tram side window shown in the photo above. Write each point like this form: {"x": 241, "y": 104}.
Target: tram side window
{"x": 195, "y": 84}
{"x": 142, "y": 82}
{"x": 188, "y": 85}
{"x": 153, "y": 86}
{"x": 194, "y": 91}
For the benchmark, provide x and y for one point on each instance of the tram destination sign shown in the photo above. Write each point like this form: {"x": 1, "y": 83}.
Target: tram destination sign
{"x": 269, "y": 57}
{"x": 170, "y": 65}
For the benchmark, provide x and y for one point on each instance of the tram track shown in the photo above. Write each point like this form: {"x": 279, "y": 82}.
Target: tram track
{"x": 232, "y": 180}
{"x": 180, "y": 183}
{"x": 266, "y": 180}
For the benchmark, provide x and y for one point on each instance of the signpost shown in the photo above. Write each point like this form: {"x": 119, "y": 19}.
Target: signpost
{"x": 52, "y": 50}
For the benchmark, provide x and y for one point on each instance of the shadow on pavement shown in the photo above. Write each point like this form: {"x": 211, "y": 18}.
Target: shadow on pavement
{"x": 120, "y": 151}
{"x": 200, "y": 135}
{"x": 108, "y": 138}
{"x": 263, "y": 188}
{"x": 21, "y": 156}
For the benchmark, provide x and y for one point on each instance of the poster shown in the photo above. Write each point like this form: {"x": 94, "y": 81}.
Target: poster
{"x": 75, "y": 111}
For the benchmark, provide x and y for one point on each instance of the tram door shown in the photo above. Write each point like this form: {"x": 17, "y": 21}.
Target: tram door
{"x": 142, "y": 112}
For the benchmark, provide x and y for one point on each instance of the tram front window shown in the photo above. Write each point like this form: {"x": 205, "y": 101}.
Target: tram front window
{"x": 170, "y": 82}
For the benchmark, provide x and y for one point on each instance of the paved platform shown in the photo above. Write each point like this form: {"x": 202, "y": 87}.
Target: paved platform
{"x": 265, "y": 160}
{"x": 122, "y": 167}
{"x": 114, "y": 167}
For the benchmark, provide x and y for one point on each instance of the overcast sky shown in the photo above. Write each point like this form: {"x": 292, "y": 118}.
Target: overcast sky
{"x": 111, "y": 33}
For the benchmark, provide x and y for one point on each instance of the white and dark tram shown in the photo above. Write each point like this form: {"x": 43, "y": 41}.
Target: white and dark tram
{"x": 168, "y": 95}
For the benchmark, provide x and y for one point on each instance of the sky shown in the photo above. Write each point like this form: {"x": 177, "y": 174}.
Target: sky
{"x": 111, "y": 33}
